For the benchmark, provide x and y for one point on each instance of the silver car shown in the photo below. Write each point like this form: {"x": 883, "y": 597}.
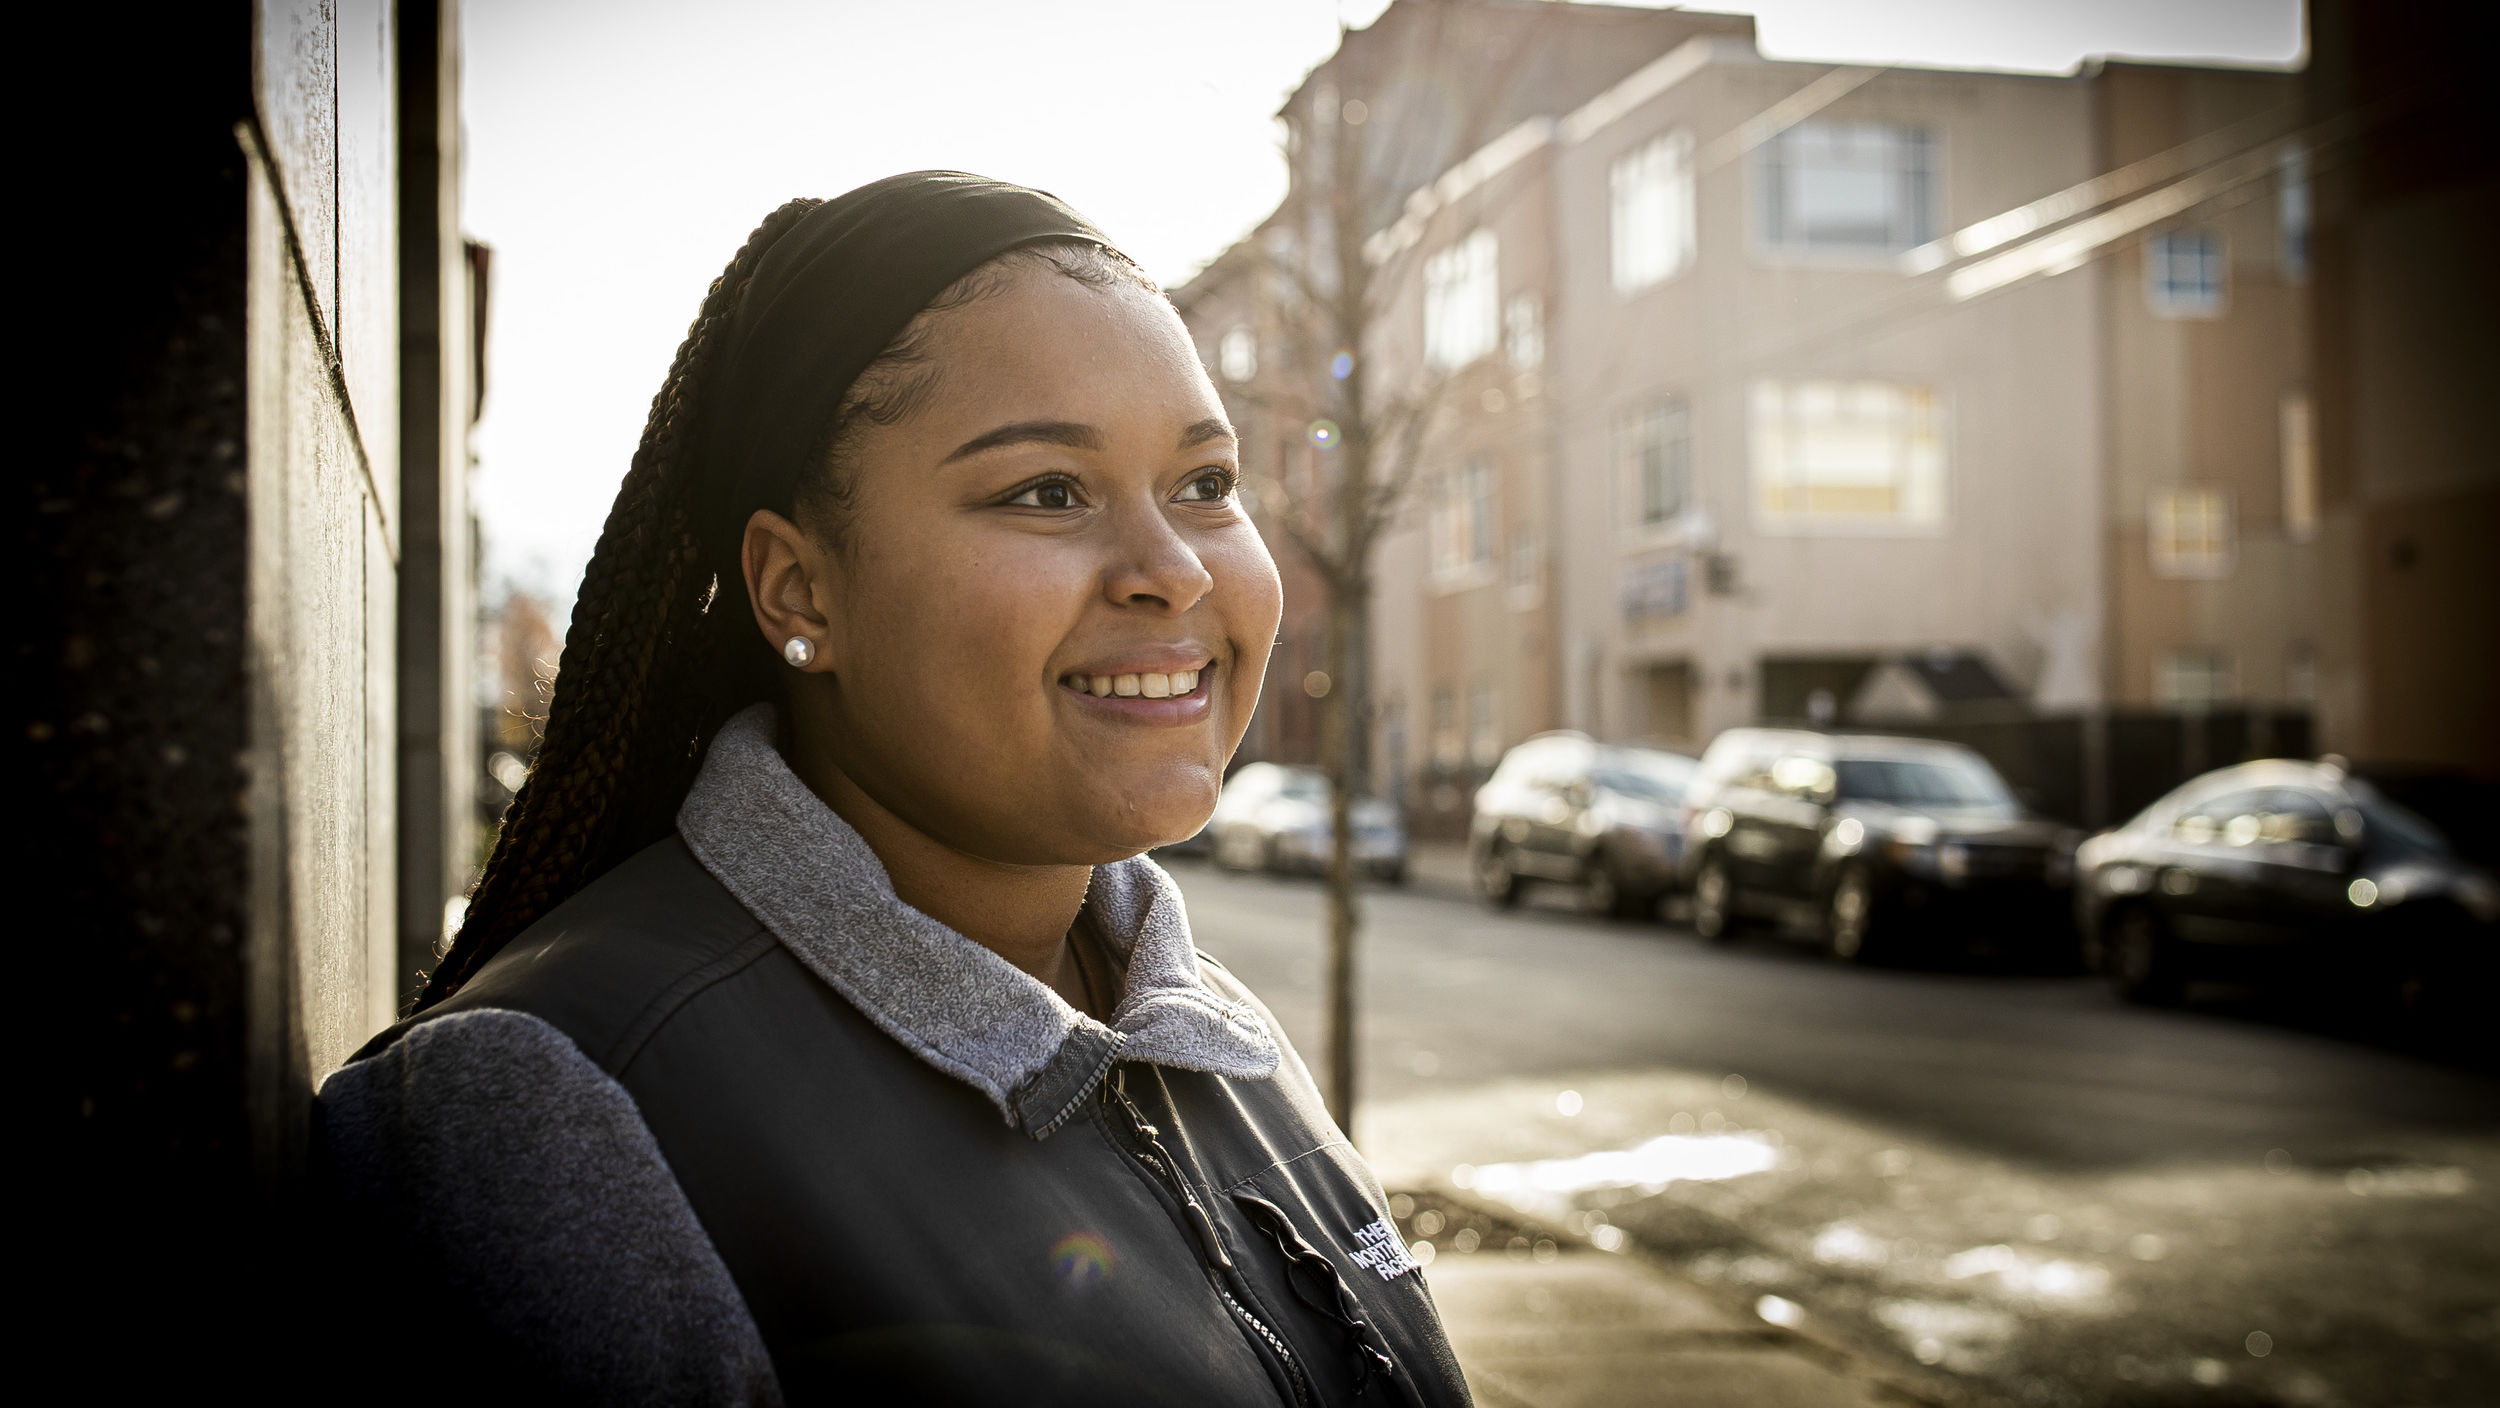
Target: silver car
{"x": 1272, "y": 816}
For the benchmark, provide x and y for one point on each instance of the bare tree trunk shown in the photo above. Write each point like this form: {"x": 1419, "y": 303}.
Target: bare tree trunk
{"x": 1337, "y": 726}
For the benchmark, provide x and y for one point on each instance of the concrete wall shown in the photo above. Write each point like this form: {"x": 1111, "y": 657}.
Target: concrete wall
{"x": 216, "y": 528}
{"x": 323, "y": 469}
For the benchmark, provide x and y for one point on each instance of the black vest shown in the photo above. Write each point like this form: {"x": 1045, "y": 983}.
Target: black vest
{"x": 1182, "y": 1238}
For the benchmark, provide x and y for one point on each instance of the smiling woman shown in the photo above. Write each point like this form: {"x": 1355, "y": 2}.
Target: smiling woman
{"x": 818, "y": 995}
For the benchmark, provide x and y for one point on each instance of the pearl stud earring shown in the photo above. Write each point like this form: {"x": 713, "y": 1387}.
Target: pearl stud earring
{"x": 799, "y": 651}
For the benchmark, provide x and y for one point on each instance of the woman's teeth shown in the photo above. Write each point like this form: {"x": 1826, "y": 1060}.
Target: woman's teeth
{"x": 1170, "y": 686}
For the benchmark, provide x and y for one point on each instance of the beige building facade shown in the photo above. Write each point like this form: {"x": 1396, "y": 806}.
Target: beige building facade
{"x": 1726, "y": 453}
{"x": 1772, "y": 391}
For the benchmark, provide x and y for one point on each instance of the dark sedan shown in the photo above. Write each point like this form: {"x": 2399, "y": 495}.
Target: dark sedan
{"x": 1872, "y": 844}
{"x": 2282, "y": 869}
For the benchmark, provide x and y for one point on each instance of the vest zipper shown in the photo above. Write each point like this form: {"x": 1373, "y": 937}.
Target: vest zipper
{"x": 1218, "y": 1262}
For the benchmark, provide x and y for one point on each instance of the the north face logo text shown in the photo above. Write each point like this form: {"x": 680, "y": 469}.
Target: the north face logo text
{"x": 1380, "y": 1250}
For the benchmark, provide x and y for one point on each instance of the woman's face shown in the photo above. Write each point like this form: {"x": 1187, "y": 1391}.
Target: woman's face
{"x": 1048, "y": 616}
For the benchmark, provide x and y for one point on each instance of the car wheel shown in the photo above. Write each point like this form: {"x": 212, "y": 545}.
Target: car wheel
{"x": 1714, "y": 902}
{"x": 1849, "y": 917}
{"x": 1495, "y": 880}
{"x": 1598, "y": 891}
{"x": 2142, "y": 961}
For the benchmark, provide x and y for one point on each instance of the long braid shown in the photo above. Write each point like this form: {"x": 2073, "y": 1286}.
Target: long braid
{"x": 648, "y": 672}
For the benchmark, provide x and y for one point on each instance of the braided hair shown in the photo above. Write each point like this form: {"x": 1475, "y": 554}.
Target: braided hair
{"x": 650, "y": 670}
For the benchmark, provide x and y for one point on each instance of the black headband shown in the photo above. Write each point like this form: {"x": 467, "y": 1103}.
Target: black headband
{"x": 830, "y": 295}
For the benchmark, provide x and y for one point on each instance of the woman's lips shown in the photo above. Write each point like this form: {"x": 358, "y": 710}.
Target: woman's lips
{"x": 1175, "y": 697}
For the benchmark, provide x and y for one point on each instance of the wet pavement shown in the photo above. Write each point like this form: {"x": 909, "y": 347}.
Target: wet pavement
{"x": 1983, "y": 1186}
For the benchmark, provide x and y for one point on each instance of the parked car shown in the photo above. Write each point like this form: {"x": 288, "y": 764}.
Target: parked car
{"x": 2280, "y": 869}
{"x": 1872, "y": 843}
{"x": 1273, "y": 816}
{"x": 1598, "y": 817}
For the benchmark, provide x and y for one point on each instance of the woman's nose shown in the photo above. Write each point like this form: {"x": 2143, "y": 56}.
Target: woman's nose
{"x": 1154, "y": 566}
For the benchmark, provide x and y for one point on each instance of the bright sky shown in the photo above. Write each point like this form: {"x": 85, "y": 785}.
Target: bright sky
{"x": 619, "y": 152}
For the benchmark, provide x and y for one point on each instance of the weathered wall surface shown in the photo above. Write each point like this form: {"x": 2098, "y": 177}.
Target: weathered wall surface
{"x": 212, "y": 494}
{"x": 323, "y": 458}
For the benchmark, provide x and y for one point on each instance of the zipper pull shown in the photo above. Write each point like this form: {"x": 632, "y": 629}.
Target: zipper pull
{"x": 1161, "y": 1158}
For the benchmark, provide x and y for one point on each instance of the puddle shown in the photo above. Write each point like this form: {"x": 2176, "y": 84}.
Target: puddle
{"x": 2073, "y": 1285}
{"x": 1669, "y": 1158}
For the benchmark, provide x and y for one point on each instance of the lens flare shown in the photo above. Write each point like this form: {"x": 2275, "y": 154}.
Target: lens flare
{"x": 1082, "y": 1259}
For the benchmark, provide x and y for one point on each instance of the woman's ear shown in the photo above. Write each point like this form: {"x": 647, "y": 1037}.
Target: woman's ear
{"x": 786, "y": 573}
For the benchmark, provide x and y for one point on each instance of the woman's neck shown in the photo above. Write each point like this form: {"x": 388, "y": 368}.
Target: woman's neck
{"x": 1022, "y": 913}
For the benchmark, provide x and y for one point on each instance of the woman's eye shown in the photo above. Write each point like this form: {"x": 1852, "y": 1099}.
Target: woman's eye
{"x": 1209, "y": 487}
{"x": 1050, "y": 493}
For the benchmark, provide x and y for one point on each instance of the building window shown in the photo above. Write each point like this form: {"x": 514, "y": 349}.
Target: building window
{"x": 2300, "y": 468}
{"x": 1484, "y": 732}
{"x": 1523, "y": 321}
{"x": 1237, "y": 356}
{"x": 1654, "y": 446}
{"x": 1653, "y": 212}
{"x": 2293, "y": 211}
{"x": 1848, "y": 454}
{"x": 2184, "y": 276}
{"x": 1527, "y": 570}
{"x": 1462, "y": 301}
{"x": 2191, "y": 532}
{"x": 2193, "y": 677}
{"x": 1848, "y": 188}
{"x": 1462, "y": 520}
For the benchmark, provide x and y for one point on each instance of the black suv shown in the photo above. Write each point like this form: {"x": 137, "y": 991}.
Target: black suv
{"x": 1871, "y": 842}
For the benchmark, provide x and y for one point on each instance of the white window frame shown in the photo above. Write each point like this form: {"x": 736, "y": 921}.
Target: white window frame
{"x": 1792, "y": 494}
{"x": 1671, "y": 417}
{"x": 2187, "y": 274}
{"x": 1462, "y": 525}
{"x": 1523, "y": 331}
{"x": 2211, "y": 664}
{"x": 1913, "y": 178}
{"x": 1652, "y": 228}
{"x": 1463, "y": 302}
{"x": 2191, "y": 532}
{"x": 2299, "y": 421}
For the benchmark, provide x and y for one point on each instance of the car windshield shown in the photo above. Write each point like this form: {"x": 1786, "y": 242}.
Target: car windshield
{"x": 1303, "y": 786}
{"x": 2392, "y": 821}
{"x": 1651, "y": 777}
{"x": 1941, "y": 782}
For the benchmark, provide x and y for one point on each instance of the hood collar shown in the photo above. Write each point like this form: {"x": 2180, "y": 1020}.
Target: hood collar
{"x": 808, "y": 877}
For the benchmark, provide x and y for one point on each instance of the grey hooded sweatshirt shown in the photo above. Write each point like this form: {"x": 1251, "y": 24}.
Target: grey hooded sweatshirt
{"x": 736, "y": 1125}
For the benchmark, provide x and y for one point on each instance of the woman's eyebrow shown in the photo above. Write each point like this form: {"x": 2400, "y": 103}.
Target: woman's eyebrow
{"x": 1070, "y": 433}
{"x": 1212, "y": 428}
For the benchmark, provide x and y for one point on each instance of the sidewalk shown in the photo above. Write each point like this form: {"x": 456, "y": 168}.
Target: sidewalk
{"x": 1550, "y": 1304}
{"x": 1539, "y": 1320}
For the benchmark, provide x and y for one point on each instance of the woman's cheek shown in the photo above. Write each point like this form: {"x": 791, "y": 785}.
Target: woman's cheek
{"x": 1256, "y": 601}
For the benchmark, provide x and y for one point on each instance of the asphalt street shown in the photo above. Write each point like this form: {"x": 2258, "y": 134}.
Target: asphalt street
{"x": 2010, "y": 1179}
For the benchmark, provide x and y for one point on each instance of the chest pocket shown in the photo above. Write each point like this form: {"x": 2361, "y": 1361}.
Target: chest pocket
{"x": 1348, "y": 1268}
